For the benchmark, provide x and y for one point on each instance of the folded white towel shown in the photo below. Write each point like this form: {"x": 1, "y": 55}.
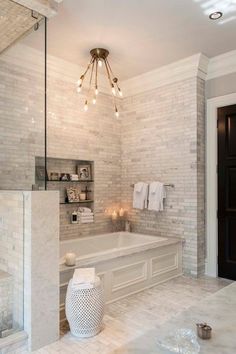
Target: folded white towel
{"x": 85, "y": 214}
{"x": 83, "y": 276}
{"x": 86, "y": 285}
{"x": 140, "y": 195}
{"x": 85, "y": 210}
{"x": 82, "y": 216}
{"x": 157, "y": 194}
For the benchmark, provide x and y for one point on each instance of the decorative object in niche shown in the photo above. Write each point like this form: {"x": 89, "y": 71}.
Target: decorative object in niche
{"x": 84, "y": 172}
{"x": 74, "y": 177}
{"x": 74, "y": 217}
{"x": 65, "y": 177}
{"x": 72, "y": 195}
{"x": 54, "y": 176}
{"x": 40, "y": 173}
{"x": 99, "y": 59}
{"x": 82, "y": 196}
{"x": 86, "y": 192}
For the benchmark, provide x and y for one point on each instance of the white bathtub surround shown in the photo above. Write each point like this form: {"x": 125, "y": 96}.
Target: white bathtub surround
{"x": 41, "y": 254}
{"x": 126, "y": 262}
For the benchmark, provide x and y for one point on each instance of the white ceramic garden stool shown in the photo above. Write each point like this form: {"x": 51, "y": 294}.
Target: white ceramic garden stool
{"x": 85, "y": 309}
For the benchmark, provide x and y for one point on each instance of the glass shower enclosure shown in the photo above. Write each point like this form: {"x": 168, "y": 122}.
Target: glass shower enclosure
{"x": 22, "y": 143}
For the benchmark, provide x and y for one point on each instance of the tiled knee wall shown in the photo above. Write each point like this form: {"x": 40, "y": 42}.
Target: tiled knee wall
{"x": 163, "y": 139}
{"x": 6, "y": 301}
{"x": 11, "y": 254}
{"x": 160, "y": 136}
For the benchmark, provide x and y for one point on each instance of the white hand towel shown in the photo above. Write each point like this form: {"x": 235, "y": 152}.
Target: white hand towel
{"x": 87, "y": 285}
{"x": 140, "y": 195}
{"x": 83, "y": 276}
{"x": 156, "y": 196}
{"x": 138, "y": 187}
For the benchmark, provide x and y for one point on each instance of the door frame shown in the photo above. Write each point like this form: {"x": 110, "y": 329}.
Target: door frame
{"x": 211, "y": 264}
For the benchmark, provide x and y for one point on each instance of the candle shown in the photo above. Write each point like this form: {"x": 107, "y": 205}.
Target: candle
{"x": 121, "y": 212}
{"x": 70, "y": 259}
{"x": 114, "y": 215}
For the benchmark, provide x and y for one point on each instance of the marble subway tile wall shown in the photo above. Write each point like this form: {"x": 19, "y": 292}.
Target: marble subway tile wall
{"x": 160, "y": 136}
{"x": 72, "y": 133}
{"x": 163, "y": 139}
{"x": 92, "y": 136}
{"x": 11, "y": 252}
{"x": 21, "y": 117}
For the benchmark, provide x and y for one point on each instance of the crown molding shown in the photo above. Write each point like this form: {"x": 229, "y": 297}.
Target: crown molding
{"x": 221, "y": 65}
{"x": 194, "y": 66}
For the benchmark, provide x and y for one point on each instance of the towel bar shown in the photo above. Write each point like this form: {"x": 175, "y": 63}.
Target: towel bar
{"x": 165, "y": 184}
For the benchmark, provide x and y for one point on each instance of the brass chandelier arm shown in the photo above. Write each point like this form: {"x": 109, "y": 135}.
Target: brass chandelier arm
{"x": 88, "y": 67}
{"x": 96, "y": 75}
{"x": 108, "y": 73}
{"x": 91, "y": 75}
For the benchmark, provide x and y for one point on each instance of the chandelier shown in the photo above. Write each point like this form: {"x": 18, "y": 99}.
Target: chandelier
{"x": 99, "y": 60}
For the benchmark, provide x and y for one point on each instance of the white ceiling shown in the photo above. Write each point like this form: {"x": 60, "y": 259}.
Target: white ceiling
{"x": 140, "y": 34}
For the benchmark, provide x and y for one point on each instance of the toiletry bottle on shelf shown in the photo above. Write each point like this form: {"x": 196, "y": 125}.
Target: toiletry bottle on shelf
{"x": 74, "y": 217}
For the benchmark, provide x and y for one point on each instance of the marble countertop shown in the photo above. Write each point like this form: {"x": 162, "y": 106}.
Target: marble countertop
{"x": 218, "y": 310}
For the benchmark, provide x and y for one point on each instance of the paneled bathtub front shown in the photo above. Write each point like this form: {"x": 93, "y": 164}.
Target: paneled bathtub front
{"x": 125, "y": 275}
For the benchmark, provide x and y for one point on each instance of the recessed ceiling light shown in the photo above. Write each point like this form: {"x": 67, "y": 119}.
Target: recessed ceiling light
{"x": 216, "y": 15}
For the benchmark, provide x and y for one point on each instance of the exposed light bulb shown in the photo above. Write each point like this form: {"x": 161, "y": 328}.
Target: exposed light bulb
{"x": 120, "y": 92}
{"x": 86, "y": 106}
{"x": 100, "y": 63}
{"x": 79, "y": 82}
{"x": 96, "y": 90}
{"x": 113, "y": 90}
{"x": 116, "y": 113}
{"x": 79, "y": 88}
{"x": 94, "y": 100}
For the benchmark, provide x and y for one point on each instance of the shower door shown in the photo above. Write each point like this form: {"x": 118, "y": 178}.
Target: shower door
{"x": 22, "y": 138}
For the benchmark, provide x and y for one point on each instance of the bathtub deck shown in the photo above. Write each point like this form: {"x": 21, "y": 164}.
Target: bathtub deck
{"x": 130, "y": 273}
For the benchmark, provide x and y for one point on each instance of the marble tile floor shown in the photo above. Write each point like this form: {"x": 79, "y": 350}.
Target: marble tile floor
{"x": 131, "y": 317}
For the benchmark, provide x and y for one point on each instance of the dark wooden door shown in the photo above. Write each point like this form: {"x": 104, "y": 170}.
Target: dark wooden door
{"x": 227, "y": 192}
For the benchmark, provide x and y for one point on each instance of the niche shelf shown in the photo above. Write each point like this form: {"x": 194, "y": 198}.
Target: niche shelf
{"x": 67, "y": 166}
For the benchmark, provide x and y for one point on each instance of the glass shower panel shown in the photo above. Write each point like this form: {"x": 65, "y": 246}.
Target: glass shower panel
{"x": 22, "y": 97}
{"x": 22, "y": 143}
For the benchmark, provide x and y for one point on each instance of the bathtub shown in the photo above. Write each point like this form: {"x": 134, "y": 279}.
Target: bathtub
{"x": 125, "y": 262}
